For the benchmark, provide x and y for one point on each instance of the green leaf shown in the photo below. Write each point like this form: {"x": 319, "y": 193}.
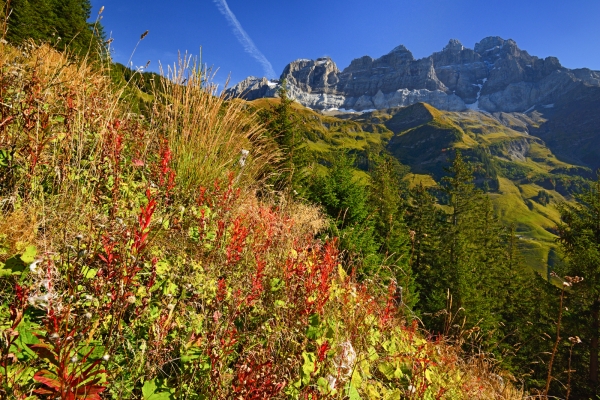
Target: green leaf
{"x": 14, "y": 266}
{"x": 323, "y": 385}
{"x": 29, "y": 255}
{"x": 148, "y": 389}
{"x": 353, "y": 393}
{"x": 276, "y": 284}
{"x": 90, "y": 273}
{"x": 314, "y": 330}
{"x": 308, "y": 367}
{"x": 149, "y": 392}
{"x": 4, "y": 158}
{"x": 161, "y": 396}
{"x": 387, "y": 369}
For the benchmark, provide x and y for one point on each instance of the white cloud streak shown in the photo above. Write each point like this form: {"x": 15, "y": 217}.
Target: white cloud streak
{"x": 244, "y": 39}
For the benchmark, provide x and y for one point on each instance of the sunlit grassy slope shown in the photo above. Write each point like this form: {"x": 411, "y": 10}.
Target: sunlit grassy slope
{"x": 424, "y": 138}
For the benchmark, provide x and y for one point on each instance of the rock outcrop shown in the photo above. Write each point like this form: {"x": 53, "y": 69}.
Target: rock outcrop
{"x": 494, "y": 76}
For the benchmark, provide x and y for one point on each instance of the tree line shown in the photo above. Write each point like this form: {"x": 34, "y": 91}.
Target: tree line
{"x": 62, "y": 23}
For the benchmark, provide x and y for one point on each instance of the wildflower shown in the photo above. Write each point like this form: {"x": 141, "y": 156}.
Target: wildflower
{"x": 89, "y": 297}
{"x": 33, "y": 266}
{"x": 243, "y": 157}
{"x": 345, "y": 359}
{"x": 54, "y": 336}
{"x": 171, "y": 307}
{"x": 131, "y": 299}
{"x": 41, "y": 300}
{"x": 106, "y": 357}
{"x": 88, "y": 315}
{"x": 74, "y": 359}
{"x": 101, "y": 9}
{"x": 331, "y": 381}
{"x": 79, "y": 237}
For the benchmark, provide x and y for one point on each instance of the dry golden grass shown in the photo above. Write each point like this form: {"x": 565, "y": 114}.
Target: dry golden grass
{"x": 207, "y": 133}
{"x": 18, "y": 229}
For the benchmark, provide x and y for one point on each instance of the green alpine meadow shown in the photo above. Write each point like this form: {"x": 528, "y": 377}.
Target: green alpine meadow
{"x": 401, "y": 228}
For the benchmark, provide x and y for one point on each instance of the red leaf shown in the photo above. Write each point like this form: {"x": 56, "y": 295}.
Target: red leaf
{"x": 43, "y": 391}
{"x": 42, "y": 376}
{"x": 44, "y": 351}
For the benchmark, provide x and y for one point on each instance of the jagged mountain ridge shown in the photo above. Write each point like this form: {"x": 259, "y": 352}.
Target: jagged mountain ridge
{"x": 494, "y": 76}
{"x": 531, "y": 95}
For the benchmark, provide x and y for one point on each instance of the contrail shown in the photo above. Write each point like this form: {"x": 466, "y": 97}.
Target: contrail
{"x": 244, "y": 39}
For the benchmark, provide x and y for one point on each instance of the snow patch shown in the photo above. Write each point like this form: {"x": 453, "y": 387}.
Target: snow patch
{"x": 475, "y": 106}
{"x": 272, "y": 85}
{"x": 529, "y": 109}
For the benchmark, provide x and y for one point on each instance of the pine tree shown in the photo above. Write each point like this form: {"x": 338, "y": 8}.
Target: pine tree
{"x": 466, "y": 263}
{"x": 62, "y": 23}
{"x": 579, "y": 237}
{"x": 286, "y": 129}
{"x": 424, "y": 221}
{"x": 388, "y": 205}
{"x": 345, "y": 200}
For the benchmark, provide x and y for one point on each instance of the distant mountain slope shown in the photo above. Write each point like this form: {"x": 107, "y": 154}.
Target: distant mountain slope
{"x": 524, "y": 178}
{"x": 527, "y": 94}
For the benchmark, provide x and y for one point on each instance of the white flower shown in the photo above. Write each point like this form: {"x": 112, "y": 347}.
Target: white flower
{"x": 131, "y": 299}
{"x": 74, "y": 359}
{"x": 345, "y": 359}
{"x": 243, "y": 157}
{"x": 106, "y": 357}
{"x": 33, "y": 266}
{"x": 331, "y": 380}
{"x": 171, "y": 307}
{"x": 88, "y": 315}
{"x": 41, "y": 300}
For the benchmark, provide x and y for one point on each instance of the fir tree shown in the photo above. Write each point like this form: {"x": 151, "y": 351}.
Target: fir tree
{"x": 345, "y": 200}
{"x": 388, "y": 205}
{"x": 62, "y": 23}
{"x": 286, "y": 129}
{"x": 579, "y": 237}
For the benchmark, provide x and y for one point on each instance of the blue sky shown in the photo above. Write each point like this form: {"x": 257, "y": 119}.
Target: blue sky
{"x": 284, "y": 30}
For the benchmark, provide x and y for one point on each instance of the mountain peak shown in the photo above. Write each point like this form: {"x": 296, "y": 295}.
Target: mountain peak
{"x": 454, "y": 45}
{"x": 400, "y": 49}
{"x": 492, "y": 43}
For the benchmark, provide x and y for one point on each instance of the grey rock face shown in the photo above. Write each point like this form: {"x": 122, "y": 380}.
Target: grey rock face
{"x": 253, "y": 88}
{"x": 494, "y": 76}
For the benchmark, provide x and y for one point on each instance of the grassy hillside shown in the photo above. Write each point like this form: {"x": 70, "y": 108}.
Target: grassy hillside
{"x": 515, "y": 165}
{"x": 142, "y": 257}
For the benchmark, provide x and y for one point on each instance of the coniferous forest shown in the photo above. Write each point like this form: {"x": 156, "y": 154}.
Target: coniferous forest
{"x": 159, "y": 240}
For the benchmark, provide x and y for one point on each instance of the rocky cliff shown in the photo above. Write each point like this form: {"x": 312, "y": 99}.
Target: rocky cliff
{"x": 494, "y": 76}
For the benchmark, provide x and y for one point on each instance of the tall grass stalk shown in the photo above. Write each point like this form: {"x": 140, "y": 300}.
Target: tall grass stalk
{"x": 206, "y": 131}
